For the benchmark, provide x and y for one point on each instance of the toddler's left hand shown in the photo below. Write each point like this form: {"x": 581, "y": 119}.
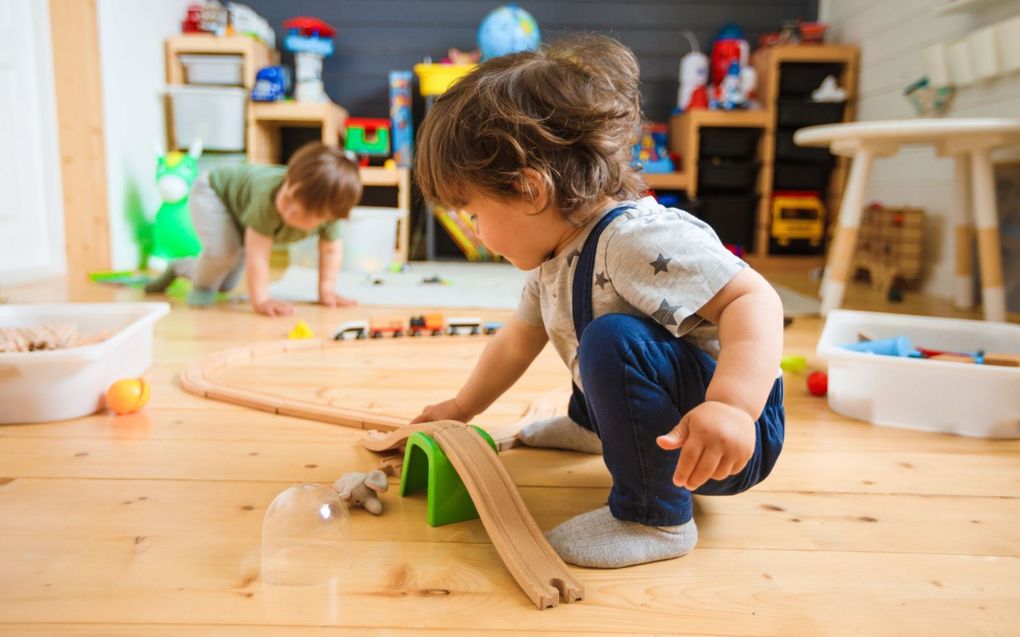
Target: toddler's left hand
{"x": 717, "y": 439}
{"x": 330, "y": 298}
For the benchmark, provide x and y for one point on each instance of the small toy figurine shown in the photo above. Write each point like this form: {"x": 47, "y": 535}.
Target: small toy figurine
{"x": 362, "y": 489}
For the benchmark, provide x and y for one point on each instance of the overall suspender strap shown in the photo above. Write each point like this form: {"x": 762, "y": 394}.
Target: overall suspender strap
{"x": 585, "y": 272}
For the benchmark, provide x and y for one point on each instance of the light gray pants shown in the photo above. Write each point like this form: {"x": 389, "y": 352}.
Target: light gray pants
{"x": 221, "y": 261}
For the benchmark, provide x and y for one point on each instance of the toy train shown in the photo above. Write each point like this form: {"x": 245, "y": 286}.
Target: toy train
{"x": 433, "y": 324}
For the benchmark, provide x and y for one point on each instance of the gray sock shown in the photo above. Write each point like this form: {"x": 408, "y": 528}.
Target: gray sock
{"x": 163, "y": 281}
{"x": 201, "y": 297}
{"x": 560, "y": 433}
{"x": 598, "y": 540}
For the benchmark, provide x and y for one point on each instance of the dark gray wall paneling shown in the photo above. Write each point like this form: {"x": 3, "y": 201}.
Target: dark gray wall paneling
{"x": 376, "y": 36}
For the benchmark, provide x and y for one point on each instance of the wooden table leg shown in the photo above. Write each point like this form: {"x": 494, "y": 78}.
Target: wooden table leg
{"x": 993, "y": 296}
{"x": 837, "y": 265}
{"x": 964, "y": 239}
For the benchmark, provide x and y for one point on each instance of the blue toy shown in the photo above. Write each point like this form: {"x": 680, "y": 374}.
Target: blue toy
{"x": 401, "y": 134}
{"x": 272, "y": 83}
{"x": 508, "y": 29}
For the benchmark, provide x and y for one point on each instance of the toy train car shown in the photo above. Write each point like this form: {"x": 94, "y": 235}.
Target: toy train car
{"x": 351, "y": 330}
{"x": 459, "y": 325}
{"x": 434, "y": 324}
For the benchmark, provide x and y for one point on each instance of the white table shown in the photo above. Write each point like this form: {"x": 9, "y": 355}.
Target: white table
{"x": 969, "y": 142}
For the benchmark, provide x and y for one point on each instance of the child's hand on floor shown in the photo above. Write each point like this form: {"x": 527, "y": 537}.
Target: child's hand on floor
{"x": 330, "y": 298}
{"x": 717, "y": 440}
{"x": 274, "y": 308}
{"x": 446, "y": 410}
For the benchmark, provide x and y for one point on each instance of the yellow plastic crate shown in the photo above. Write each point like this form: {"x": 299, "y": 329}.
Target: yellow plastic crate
{"x": 434, "y": 79}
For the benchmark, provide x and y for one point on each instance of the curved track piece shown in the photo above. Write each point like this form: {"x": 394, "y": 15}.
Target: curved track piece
{"x": 379, "y": 441}
{"x": 194, "y": 379}
{"x": 539, "y": 571}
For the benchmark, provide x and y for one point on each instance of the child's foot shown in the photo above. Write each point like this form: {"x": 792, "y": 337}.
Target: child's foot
{"x": 201, "y": 297}
{"x": 560, "y": 433}
{"x": 598, "y": 540}
{"x": 163, "y": 281}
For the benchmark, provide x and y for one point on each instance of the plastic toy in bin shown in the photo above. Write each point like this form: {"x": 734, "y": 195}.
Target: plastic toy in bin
{"x": 798, "y": 215}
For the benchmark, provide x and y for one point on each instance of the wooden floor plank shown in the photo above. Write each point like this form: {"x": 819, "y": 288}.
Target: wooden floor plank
{"x": 150, "y": 524}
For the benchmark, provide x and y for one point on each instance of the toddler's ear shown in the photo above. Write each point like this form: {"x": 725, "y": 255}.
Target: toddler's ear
{"x": 534, "y": 188}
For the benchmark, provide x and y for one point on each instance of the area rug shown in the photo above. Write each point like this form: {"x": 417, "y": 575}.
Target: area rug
{"x": 450, "y": 284}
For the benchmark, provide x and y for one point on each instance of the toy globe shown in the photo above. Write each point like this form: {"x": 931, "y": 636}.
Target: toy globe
{"x": 306, "y": 537}
{"x": 508, "y": 29}
{"x": 127, "y": 395}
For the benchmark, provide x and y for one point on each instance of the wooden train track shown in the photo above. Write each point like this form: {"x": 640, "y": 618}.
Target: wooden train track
{"x": 528, "y": 556}
{"x": 531, "y": 560}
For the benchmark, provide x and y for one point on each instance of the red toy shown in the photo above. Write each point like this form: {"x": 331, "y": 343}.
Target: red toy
{"x": 378, "y": 327}
{"x": 305, "y": 25}
{"x": 818, "y": 383}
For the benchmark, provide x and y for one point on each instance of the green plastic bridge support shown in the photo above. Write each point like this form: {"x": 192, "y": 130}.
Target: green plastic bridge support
{"x": 426, "y": 467}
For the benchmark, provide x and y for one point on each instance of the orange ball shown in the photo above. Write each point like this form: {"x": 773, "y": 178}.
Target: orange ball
{"x": 127, "y": 395}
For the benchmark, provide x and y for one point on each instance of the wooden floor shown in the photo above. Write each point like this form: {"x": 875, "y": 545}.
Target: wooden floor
{"x": 150, "y": 524}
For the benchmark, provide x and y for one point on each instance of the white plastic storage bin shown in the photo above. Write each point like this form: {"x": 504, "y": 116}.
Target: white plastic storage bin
{"x": 370, "y": 238}
{"x": 70, "y": 383}
{"x": 960, "y": 398}
{"x": 221, "y": 70}
{"x": 214, "y": 114}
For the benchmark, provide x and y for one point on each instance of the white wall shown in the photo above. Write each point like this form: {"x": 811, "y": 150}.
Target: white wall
{"x": 891, "y": 36}
{"x": 131, "y": 38}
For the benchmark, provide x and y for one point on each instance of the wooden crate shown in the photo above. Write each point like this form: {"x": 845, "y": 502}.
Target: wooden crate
{"x": 889, "y": 245}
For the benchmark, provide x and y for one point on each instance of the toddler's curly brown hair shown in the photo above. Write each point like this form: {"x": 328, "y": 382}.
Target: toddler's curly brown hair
{"x": 569, "y": 112}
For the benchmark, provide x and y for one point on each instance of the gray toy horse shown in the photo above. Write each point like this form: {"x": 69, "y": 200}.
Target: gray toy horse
{"x": 362, "y": 489}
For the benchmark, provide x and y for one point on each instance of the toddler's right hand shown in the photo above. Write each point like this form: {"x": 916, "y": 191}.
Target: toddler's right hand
{"x": 446, "y": 410}
{"x": 274, "y": 308}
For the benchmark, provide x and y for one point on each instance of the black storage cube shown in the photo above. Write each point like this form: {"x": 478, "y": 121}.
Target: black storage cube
{"x": 727, "y": 176}
{"x": 800, "y": 176}
{"x": 796, "y": 113}
{"x": 787, "y": 150}
{"x": 798, "y": 79}
{"x": 729, "y": 143}
{"x": 731, "y": 216}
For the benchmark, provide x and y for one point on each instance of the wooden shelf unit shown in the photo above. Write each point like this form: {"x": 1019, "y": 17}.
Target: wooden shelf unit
{"x": 685, "y": 136}
{"x": 666, "y": 181}
{"x": 767, "y": 63}
{"x": 266, "y": 118}
{"x": 254, "y": 55}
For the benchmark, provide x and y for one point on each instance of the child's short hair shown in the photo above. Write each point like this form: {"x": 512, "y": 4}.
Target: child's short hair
{"x": 325, "y": 180}
{"x": 570, "y": 112}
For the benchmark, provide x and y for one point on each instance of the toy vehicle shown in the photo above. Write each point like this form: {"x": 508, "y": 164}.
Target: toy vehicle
{"x": 271, "y": 84}
{"x": 797, "y": 215}
{"x": 378, "y": 327}
{"x": 491, "y": 328}
{"x": 472, "y": 325}
{"x": 359, "y": 329}
{"x": 433, "y": 323}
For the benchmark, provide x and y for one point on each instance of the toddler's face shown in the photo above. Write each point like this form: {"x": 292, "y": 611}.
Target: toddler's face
{"x": 513, "y": 229}
{"x": 293, "y": 213}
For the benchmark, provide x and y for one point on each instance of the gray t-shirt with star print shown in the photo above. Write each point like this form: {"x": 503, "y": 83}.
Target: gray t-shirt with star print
{"x": 651, "y": 261}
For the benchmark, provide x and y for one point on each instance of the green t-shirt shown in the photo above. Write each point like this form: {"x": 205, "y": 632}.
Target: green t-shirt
{"x": 249, "y": 193}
